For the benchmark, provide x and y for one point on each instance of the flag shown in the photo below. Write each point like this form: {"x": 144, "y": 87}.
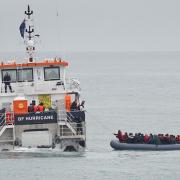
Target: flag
{"x": 22, "y": 28}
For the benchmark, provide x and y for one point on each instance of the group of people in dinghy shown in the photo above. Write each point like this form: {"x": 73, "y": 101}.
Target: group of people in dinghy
{"x": 139, "y": 138}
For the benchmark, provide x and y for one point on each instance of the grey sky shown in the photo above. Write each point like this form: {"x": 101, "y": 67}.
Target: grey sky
{"x": 94, "y": 25}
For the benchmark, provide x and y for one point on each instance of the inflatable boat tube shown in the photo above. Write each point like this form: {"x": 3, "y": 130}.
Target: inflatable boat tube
{"x": 117, "y": 145}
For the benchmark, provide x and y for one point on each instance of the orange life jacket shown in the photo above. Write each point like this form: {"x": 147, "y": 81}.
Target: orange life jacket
{"x": 40, "y": 108}
{"x": 35, "y": 108}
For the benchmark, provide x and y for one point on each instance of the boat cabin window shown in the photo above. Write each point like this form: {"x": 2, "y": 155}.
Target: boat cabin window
{"x": 11, "y": 72}
{"x": 25, "y": 75}
{"x": 51, "y": 73}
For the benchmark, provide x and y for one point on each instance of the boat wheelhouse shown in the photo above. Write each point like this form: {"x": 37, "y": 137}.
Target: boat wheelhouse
{"x": 40, "y": 107}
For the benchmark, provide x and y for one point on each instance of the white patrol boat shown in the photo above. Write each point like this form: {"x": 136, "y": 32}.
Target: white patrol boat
{"x": 39, "y": 106}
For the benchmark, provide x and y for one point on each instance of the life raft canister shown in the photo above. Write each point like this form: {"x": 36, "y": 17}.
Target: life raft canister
{"x": 68, "y": 103}
{"x": 20, "y": 106}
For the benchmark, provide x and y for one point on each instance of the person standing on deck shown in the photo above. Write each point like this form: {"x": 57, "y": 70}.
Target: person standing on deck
{"x": 7, "y": 81}
{"x": 75, "y": 105}
{"x": 41, "y": 107}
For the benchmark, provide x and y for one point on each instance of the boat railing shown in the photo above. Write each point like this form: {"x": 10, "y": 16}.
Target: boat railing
{"x": 62, "y": 115}
{"x": 69, "y": 126}
{"x": 6, "y": 118}
{"x": 79, "y": 131}
{"x": 69, "y": 116}
{"x": 68, "y": 122}
{"x": 33, "y": 87}
{"x": 6, "y": 122}
{"x": 72, "y": 84}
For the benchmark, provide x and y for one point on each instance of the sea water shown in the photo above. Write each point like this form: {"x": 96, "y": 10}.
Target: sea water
{"x": 134, "y": 92}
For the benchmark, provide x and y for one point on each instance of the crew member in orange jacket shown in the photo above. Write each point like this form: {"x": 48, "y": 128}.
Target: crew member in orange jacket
{"x": 35, "y": 108}
{"x": 41, "y": 107}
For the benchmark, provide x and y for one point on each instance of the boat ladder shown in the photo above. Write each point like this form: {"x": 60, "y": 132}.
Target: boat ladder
{"x": 4, "y": 126}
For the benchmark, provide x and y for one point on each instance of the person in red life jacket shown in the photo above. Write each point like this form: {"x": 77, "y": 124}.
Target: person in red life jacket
{"x": 125, "y": 137}
{"x": 40, "y": 107}
{"x": 146, "y": 138}
{"x": 8, "y": 117}
{"x": 30, "y": 108}
{"x": 161, "y": 138}
{"x": 35, "y": 108}
{"x": 178, "y": 139}
{"x": 119, "y": 135}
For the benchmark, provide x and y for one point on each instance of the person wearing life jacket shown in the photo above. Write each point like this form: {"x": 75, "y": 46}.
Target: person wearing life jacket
{"x": 119, "y": 135}
{"x": 40, "y": 107}
{"x": 9, "y": 119}
{"x": 35, "y": 109}
{"x": 161, "y": 138}
{"x": 146, "y": 138}
{"x": 30, "y": 108}
{"x": 125, "y": 137}
{"x": 178, "y": 139}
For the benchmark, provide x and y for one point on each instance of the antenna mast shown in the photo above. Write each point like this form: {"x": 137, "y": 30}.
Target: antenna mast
{"x": 30, "y": 40}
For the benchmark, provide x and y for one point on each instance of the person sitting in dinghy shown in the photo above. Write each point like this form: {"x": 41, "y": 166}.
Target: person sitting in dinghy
{"x": 172, "y": 139}
{"x": 178, "y": 139}
{"x": 130, "y": 138}
{"x": 119, "y": 135}
{"x": 146, "y": 138}
{"x": 125, "y": 137}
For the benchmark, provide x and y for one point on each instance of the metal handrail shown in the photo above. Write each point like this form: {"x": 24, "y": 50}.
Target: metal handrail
{"x": 2, "y": 117}
{"x": 5, "y": 121}
{"x": 72, "y": 84}
{"x": 80, "y": 130}
{"x": 69, "y": 117}
{"x": 22, "y": 86}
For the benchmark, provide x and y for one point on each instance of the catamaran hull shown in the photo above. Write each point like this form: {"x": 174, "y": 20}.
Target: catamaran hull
{"x": 117, "y": 145}
{"x": 62, "y": 146}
